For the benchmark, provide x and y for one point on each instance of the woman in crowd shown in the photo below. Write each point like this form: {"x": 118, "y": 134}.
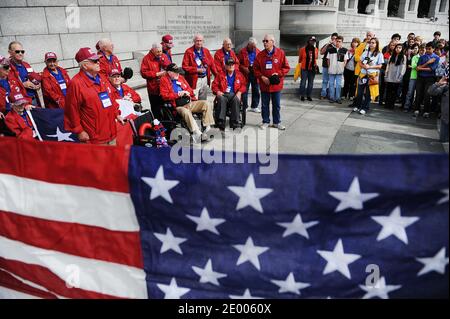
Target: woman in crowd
{"x": 386, "y": 57}
{"x": 349, "y": 73}
{"x": 395, "y": 71}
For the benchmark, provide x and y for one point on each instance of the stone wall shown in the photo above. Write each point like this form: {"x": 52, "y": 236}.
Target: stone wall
{"x": 133, "y": 25}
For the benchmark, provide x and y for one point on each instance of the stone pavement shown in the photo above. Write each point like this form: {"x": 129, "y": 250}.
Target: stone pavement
{"x": 320, "y": 127}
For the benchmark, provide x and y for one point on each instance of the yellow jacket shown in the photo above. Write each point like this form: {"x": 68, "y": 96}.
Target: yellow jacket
{"x": 358, "y": 53}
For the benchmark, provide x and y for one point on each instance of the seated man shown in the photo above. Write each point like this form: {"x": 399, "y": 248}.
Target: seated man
{"x": 228, "y": 89}
{"x": 175, "y": 89}
{"x": 17, "y": 120}
{"x": 8, "y": 83}
{"x": 122, "y": 91}
{"x": 55, "y": 81}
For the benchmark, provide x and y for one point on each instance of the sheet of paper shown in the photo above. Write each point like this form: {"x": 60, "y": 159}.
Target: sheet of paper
{"x": 126, "y": 107}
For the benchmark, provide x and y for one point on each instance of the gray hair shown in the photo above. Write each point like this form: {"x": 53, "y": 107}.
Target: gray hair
{"x": 156, "y": 46}
{"x": 198, "y": 35}
{"x": 103, "y": 42}
{"x": 270, "y": 37}
{"x": 252, "y": 40}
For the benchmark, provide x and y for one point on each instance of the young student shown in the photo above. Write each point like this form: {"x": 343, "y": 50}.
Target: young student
{"x": 417, "y": 52}
{"x": 395, "y": 71}
{"x": 337, "y": 59}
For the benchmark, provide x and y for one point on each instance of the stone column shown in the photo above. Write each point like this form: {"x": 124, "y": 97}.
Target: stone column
{"x": 383, "y": 8}
{"x": 352, "y": 6}
{"x": 403, "y": 8}
{"x": 412, "y": 14}
{"x": 434, "y": 8}
{"x": 442, "y": 15}
{"x": 373, "y": 7}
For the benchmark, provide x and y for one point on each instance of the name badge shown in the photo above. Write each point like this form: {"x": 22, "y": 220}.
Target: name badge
{"x": 228, "y": 89}
{"x": 29, "y": 70}
{"x": 269, "y": 65}
{"x": 7, "y": 99}
{"x": 63, "y": 85}
{"x": 105, "y": 99}
{"x": 198, "y": 61}
{"x": 178, "y": 83}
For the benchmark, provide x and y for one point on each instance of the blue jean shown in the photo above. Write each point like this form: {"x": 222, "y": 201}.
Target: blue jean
{"x": 265, "y": 112}
{"x": 325, "y": 80}
{"x": 363, "y": 92}
{"x": 255, "y": 92}
{"x": 410, "y": 95}
{"x": 335, "y": 86}
{"x": 307, "y": 75}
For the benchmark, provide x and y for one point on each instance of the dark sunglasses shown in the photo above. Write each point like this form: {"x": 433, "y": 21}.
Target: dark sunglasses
{"x": 95, "y": 61}
{"x": 265, "y": 41}
{"x": 20, "y": 51}
{"x": 5, "y": 67}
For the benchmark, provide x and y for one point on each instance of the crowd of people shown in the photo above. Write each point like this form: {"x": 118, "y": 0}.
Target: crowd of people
{"x": 411, "y": 74}
{"x": 398, "y": 73}
{"x": 90, "y": 99}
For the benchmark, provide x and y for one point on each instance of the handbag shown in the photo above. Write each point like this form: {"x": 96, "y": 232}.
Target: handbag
{"x": 182, "y": 101}
{"x": 373, "y": 79}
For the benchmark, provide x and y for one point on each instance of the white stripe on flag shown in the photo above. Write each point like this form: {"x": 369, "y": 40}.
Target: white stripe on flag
{"x": 6, "y": 293}
{"x": 67, "y": 203}
{"x": 91, "y": 274}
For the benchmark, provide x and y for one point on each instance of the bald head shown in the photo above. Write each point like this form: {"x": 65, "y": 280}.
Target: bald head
{"x": 227, "y": 44}
{"x": 106, "y": 46}
{"x": 198, "y": 41}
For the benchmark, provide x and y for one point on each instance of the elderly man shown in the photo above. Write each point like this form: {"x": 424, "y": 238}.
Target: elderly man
{"x": 167, "y": 45}
{"x": 90, "y": 110}
{"x": 17, "y": 120}
{"x": 247, "y": 57}
{"x": 198, "y": 64}
{"x": 152, "y": 69}
{"x": 271, "y": 66}
{"x": 108, "y": 60}
{"x": 54, "y": 82}
{"x": 23, "y": 72}
{"x": 222, "y": 55}
{"x": 228, "y": 89}
{"x": 121, "y": 90}
{"x": 176, "y": 90}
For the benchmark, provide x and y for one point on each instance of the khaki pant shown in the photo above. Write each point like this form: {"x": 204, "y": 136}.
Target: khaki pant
{"x": 201, "y": 90}
{"x": 196, "y": 107}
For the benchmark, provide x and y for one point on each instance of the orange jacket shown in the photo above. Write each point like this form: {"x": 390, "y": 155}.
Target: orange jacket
{"x": 302, "y": 58}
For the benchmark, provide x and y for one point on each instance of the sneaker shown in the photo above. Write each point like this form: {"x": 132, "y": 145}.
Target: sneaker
{"x": 331, "y": 101}
{"x": 205, "y": 138}
{"x": 356, "y": 109}
{"x": 416, "y": 113}
{"x": 309, "y": 99}
{"x": 362, "y": 112}
{"x": 302, "y": 98}
{"x": 197, "y": 137}
{"x": 426, "y": 115}
{"x": 339, "y": 101}
{"x": 322, "y": 98}
{"x": 263, "y": 126}
{"x": 255, "y": 110}
{"x": 280, "y": 126}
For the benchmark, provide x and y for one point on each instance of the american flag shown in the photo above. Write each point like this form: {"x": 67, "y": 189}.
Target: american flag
{"x": 50, "y": 125}
{"x": 138, "y": 225}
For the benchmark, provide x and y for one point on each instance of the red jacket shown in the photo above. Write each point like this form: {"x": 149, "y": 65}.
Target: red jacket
{"x": 220, "y": 83}
{"x": 219, "y": 60}
{"x": 51, "y": 90}
{"x": 18, "y": 126}
{"x": 14, "y": 73}
{"x": 280, "y": 65}
{"x": 302, "y": 59}
{"x": 168, "y": 59}
{"x": 106, "y": 66}
{"x": 126, "y": 91}
{"x": 84, "y": 110}
{"x": 149, "y": 67}
{"x": 190, "y": 66}
{"x": 244, "y": 61}
{"x": 167, "y": 92}
{"x": 16, "y": 88}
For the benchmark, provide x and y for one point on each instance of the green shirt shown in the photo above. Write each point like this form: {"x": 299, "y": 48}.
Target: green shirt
{"x": 414, "y": 62}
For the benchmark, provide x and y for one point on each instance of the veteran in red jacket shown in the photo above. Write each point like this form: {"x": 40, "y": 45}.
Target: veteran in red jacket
{"x": 108, "y": 60}
{"x": 247, "y": 57}
{"x": 17, "y": 120}
{"x": 198, "y": 65}
{"x": 55, "y": 81}
{"x": 228, "y": 89}
{"x": 271, "y": 66}
{"x": 121, "y": 90}
{"x": 90, "y": 110}
{"x": 223, "y": 54}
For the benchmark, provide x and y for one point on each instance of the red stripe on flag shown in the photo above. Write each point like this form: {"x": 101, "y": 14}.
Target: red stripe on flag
{"x": 8, "y": 281}
{"x": 102, "y": 167}
{"x": 45, "y": 278}
{"x": 74, "y": 239}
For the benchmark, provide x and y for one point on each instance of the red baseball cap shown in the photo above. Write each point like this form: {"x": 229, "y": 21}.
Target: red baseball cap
{"x": 86, "y": 54}
{"x": 18, "y": 99}
{"x": 114, "y": 72}
{"x": 50, "y": 55}
{"x": 167, "y": 39}
{"x": 4, "y": 60}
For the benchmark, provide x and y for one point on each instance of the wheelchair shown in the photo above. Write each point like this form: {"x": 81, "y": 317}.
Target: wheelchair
{"x": 242, "y": 113}
{"x": 143, "y": 134}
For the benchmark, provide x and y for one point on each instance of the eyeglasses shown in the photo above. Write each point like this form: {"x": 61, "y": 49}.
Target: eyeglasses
{"x": 95, "y": 61}
{"x": 265, "y": 41}
{"x": 20, "y": 51}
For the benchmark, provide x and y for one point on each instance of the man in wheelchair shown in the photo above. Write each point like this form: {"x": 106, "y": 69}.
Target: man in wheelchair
{"x": 228, "y": 89}
{"x": 175, "y": 89}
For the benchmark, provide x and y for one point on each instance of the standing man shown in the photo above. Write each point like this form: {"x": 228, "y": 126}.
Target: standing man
{"x": 23, "y": 72}
{"x": 198, "y": 64}
{"x": 247, "y": 57}
{"x": 325, "y": 76}
{"x": 108, "y": 60}
{"x": 271, "y": 66}
{"x": 167, "y": 45}
{"x": 90, "y": 110}
{"x": 223, "y": 55}
{"x": 337, "y": 59}
{"x": 55, "y": 81}
{"x": 152, "y": 69}
{"x": 307, "y": 58}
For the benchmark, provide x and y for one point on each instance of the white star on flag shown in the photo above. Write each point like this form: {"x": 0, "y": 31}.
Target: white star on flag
{"x": 290, "y": 285}
{"x": 250, "y": 252}
{"x": 445, "y": 198}
{"x": 436, "y": 263}
{"x": 207, "y": 274}
{"x": 172, "y": 291}
{"x": 297, "y": 227}
{"x": 160, "y": 186}
{"x": 250, "y": 195}
{"x": 62, "y": 136}
{"x": 394, "y": 224}
{"x": 353, "y": 198}
{"x": 246, "y": 295}
{"x": 204, "y": 222}
{"x": 338, "y": 260}
{"x": 380, "y": 290}
{"x": 170, "y": 242}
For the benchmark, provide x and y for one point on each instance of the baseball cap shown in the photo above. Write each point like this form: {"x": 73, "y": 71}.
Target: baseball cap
{"x": 86, "y": 54}
{"x": 4, "y": 60}
{"x": 50, "y": 55}
{"x": 114, "y": 72}
{"x": 312, "y": 38}
{"x": 172, "y": 67}
{"x": 167, "y": 39}
{"x": 18, "y": 99}
{"x": 230, "y": 61}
